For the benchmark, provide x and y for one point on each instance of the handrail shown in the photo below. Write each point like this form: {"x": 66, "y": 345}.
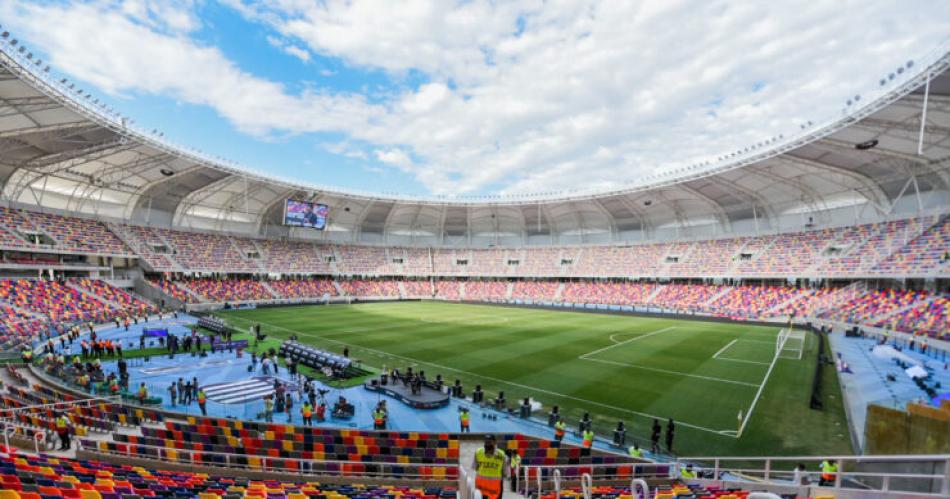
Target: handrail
{"x": 643, "y": 486}
{"x": 762, "y": 470}
{"x": 586, "y": 486}
{"x": 267, "y": 463}
{"x": 39, "y": 435}
{"x": 557, "y": 483}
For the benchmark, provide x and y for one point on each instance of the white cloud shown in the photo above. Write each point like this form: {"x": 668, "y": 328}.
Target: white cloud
{"x": 394, "y": 157}
{"x": 594, "y": 93}
{"x": 289, "y": 49}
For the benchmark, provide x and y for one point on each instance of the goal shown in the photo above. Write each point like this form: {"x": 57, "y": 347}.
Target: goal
{"x": 790, "y": 344}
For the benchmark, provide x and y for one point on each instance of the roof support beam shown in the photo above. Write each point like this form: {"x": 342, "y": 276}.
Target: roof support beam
{"x": 718, "y": 210}
{"x": 755, "y": 199}
{"x": 919, "y": 161}
{"x": 868, "y": 187}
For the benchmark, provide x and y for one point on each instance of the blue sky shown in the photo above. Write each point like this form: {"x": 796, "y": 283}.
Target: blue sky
{"x": 436, "y": 97}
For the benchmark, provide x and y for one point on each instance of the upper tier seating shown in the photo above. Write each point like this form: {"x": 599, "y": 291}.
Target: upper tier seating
{"x": 926, "y": 252}
{"x": 80, "y": 234}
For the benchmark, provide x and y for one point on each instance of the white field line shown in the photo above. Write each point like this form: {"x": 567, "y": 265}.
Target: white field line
{"x": 587, "y": 356}
{"x": 635, "y": 338}
{"x": 723, "y": 433}
{"x": 723, "y": 349}
{"x": 758, "y": 393}
{"x": 677, "y": 373}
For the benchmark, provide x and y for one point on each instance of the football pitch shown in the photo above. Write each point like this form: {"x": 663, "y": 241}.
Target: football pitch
{"x": 700, "y": 373}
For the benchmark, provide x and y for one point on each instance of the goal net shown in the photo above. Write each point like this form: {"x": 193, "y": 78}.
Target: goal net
{"x": 790, "y": 344}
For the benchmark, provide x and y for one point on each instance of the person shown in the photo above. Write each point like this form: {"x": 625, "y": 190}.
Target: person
{"x": 465, "y": 421}
{"x": 560, "y": 428}
{"x": 687, "y": 472}
{"x": 268, "y": 409}
{"x": 635, "y": 451}
{"x": 289, "y": 406}
{"x": 489, "y": 469}
{"x": 172, "y": 390}
{"x": 62, "y": 429}
{"x": 655, "y": 437}
{"x": 321, "y": 412}
{"x": 587, "y": 439}
{"x": 514, "y": 467}
{"x": 202, "y": 400}
{"x": 27, "y": 355}
{"x": 798, "y": 475}
{"x": 829, "y": 472}
{"x": 670, "y": 428}
{"x": 143, "y": 393}
{"x": 379, "y": 419}
{"x": 306, "y": 410}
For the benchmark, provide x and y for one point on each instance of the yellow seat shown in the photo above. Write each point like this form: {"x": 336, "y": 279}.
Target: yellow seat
{"x": 90, "y": 494}
{"x": 206, "y": 495}
{"x": 9, "y": 494}
{"x": 296, "y": 496}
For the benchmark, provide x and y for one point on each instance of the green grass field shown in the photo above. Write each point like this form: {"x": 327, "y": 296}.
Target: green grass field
{"x": 616, "y": 367}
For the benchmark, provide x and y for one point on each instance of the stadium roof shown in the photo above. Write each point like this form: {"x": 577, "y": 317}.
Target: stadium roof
{"x": 61, "y": 150}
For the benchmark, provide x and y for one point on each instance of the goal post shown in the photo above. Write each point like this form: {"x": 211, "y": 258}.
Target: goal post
{"x": 790, "y": 344}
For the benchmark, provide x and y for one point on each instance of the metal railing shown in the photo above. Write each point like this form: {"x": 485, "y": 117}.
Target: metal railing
{"x": 305, "y": 467}
{"x": 919, "y": 474}
{"x": 40, "y": 437}
{"x": 551, "y": 478}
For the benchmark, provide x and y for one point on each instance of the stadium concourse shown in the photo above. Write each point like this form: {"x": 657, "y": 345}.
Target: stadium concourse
{"x": 789, "y": 299}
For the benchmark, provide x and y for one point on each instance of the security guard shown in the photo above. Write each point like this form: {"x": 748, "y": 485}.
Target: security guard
{"x": 27, "y": 355}
{"x": 143, "y": 393}
{"x": 489, "y": 469}
{"x": 465, "y": 421}
{"x": 514, "y": 468}
{"x": 687, "y": 472}
{"x": 829, "y": 471}
{"x": 560, "y": 428}
{"x": 635, "y": 451}
{"x": 62, "y": 429}
{"x": 379, "y": 419}
{"x": 202, "y": 400}
{"x": 587, "y": 440}
{"x": 306, "y": 410}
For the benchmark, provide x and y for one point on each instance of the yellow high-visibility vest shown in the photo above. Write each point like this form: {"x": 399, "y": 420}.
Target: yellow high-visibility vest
{"x": 489, "y": 466}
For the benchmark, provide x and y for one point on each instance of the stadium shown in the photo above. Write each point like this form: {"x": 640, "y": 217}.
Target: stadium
{"x": 772, "y": 322}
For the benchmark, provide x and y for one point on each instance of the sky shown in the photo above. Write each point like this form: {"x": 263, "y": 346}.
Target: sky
{"x": 439, "y": 97}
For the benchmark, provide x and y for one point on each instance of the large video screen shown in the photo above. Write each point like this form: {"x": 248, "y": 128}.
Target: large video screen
{"x": 304, "y": 214}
